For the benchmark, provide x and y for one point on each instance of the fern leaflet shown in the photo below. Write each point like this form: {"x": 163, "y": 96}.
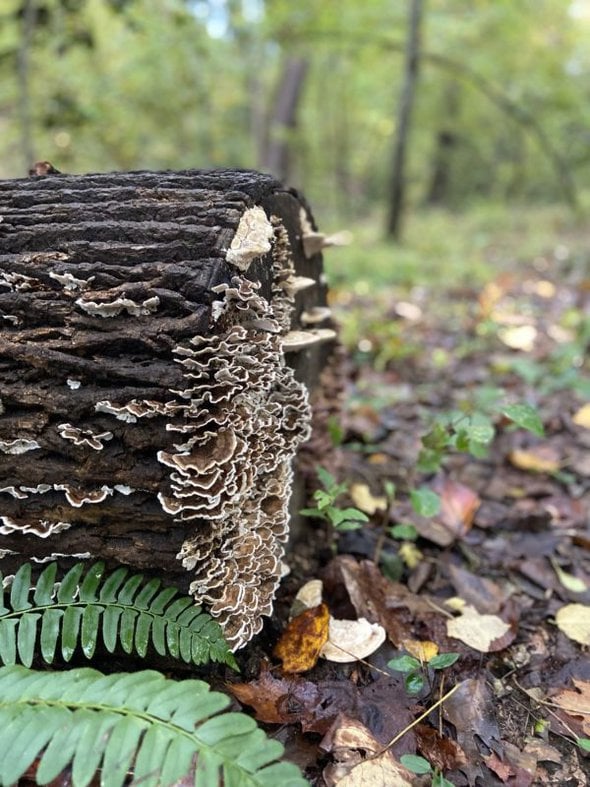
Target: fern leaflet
{"x": 163, "y": 729}
{"x": 127, "y": 610}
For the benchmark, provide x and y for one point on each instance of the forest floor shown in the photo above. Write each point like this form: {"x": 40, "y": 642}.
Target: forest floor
{"x": 477, "y": 544}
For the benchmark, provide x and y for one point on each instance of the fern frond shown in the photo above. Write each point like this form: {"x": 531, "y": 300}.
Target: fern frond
{"x": 128, "y": 611}
{"x": 159, "y": 727}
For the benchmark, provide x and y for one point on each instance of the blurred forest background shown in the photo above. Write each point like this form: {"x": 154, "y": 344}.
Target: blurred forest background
{"x": 496, "y": 127}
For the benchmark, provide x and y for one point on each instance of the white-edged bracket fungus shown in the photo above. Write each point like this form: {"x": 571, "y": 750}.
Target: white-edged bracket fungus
{"x": 162, "y": 337}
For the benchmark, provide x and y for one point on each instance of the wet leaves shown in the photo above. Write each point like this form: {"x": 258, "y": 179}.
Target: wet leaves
{"x": 302, "y": 641}
{"x": 477, "y": 568}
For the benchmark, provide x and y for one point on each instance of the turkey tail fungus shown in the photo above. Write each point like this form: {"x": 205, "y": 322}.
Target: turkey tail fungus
{"x": 163, "y": 337}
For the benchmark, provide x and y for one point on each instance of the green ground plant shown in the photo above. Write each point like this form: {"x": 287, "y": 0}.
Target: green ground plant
{"x": 90, "y": 721}
{"x": 326, "y": 508}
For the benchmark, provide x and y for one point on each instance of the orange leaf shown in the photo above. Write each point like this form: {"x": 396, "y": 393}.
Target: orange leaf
{"x": 300, "y": 644}
{"x": 458, "y": 504}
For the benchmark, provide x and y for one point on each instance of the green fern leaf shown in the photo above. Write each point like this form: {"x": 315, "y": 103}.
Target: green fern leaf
{"x": 158, "y": 727}
{"x": 126, "y": 611}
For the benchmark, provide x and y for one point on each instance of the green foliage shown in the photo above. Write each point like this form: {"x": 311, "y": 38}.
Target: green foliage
{"x": 128, "y": 611}
{"x": 341, "y": 519}
{"x": 443, "y": 660}
{"x": 143, "y": 720}
{"x": 525, "y": 416}
{"x": 416, "y": 672}
{"x": 415, "y": 763}
{"x": 404, "y": 531}
{"x": 473, "y": 432}
{"x": 420, "y": 766}
{"x": 584, "y": 744}
{"x": 425, "y": 502}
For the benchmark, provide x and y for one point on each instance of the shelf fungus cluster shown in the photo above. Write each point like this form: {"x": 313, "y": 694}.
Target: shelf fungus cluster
{"x": 162, "y": 343}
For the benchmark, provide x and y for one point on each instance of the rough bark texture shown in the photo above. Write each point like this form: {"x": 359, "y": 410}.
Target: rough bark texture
{"x": 147, "y": 414}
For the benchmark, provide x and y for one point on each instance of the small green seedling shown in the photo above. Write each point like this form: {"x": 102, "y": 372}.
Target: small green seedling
{"x": 341, "y": 519}
{"x": 472, "y": 432}
{"x": 415, "y": 672}
{"x": 420, "y": 766}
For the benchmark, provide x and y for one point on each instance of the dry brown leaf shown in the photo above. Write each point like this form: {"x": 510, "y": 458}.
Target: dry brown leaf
{"x": 574, "y": 621}
{"x": 349, "y": 640}
{"x": 301, "y": 642}
{"x": 576, "y": 703}
{"x": 484, "y": 633}
{"x": 359, "y": 759}
{"x": 481, "y": 592}
{"x": 376, "y": 598}
{"x": 542, "y": 459}
{"x": 471, "y": 710}
{"x": 442, "y": 753}
{"x": 582, "y": 416}
{"x": 364, "y": 499}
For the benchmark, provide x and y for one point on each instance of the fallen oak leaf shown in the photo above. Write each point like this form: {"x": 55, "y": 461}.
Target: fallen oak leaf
{"x": 301, "y": 642}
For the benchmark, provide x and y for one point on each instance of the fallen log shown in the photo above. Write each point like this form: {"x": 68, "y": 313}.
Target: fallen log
{"x": 160, "y": 337}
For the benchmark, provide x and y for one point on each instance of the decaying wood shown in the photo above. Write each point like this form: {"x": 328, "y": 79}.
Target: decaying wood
{"x": 148, "y": 415}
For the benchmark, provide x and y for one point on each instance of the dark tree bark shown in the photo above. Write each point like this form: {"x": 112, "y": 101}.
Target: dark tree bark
{"x": 284, "y": 117}
{"x": 446, "y": 141}
{"x": 404, "y": 115}
{"x": 147, "y": 414}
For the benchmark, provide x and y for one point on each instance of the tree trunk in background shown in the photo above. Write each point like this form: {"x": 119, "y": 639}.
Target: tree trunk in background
{"x": 29, "y": 15}
{"x": 446, "y": 140}
{"x": 153, "y": 392}
{"x": 284, "y": 118}
{"x": 404, "y": 115}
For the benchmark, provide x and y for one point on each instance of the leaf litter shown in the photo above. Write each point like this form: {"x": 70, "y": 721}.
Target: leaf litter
{"x": 483, "y": 555}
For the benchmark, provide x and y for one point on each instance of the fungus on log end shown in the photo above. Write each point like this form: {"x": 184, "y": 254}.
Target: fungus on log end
{"x": 161, "y": 333}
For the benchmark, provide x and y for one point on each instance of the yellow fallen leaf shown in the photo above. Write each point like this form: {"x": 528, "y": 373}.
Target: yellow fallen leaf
{"x": 574, "y": 621}
{"x": 541, "y": 459}
{"x": 301, "y": 642}
{"x": 349, "y": 640}
{"x": 423, "y": 650}
{"x": 519, "y": 337}
{"x": 478, "y": 631}
{"x": 544, "y": 288}
{"x": 410, "y": 554}
{"x": 582, "y": 417}
{"x": 364, "y": 499}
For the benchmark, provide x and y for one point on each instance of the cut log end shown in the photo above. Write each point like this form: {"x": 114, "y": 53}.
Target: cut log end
{"x": 148, "y": 415}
